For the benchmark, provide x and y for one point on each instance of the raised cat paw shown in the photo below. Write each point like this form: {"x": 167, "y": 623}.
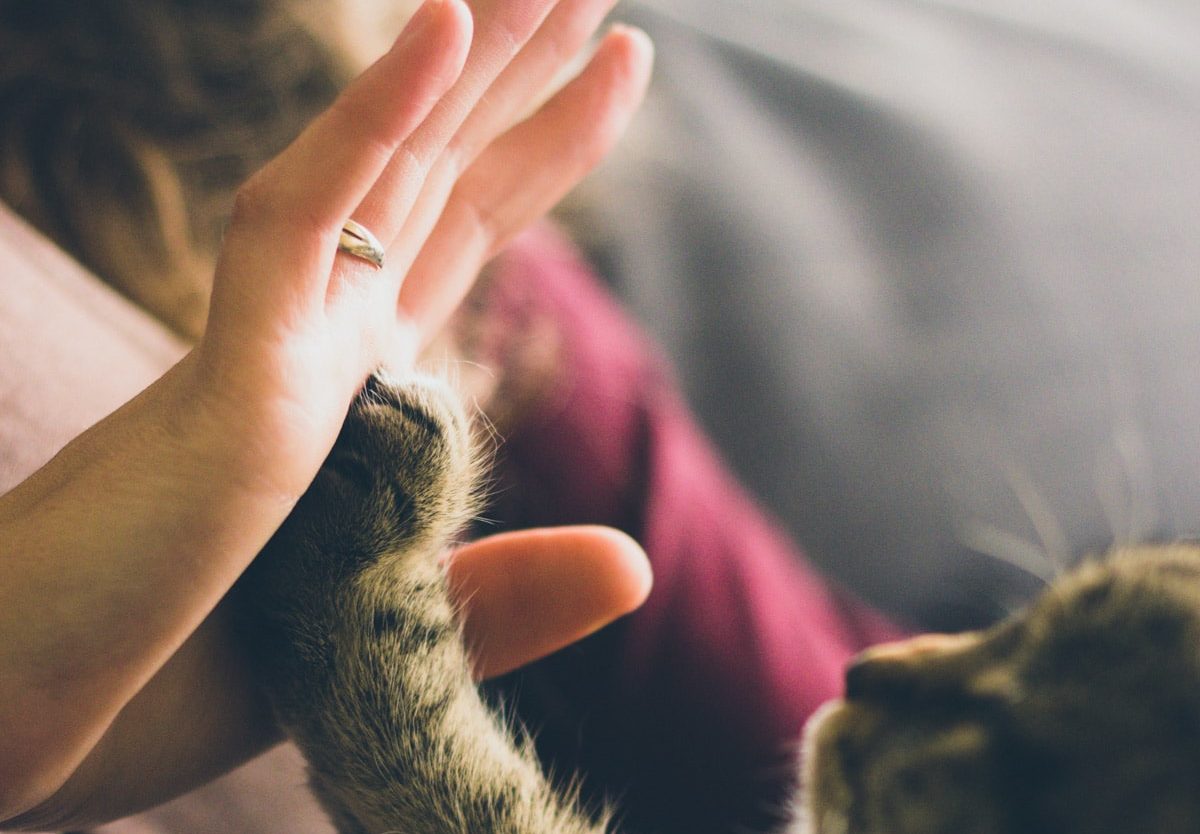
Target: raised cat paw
{"x": 354, "y": 636}
{"x": 403, "y": 468}
{"x": 362, "y": 545}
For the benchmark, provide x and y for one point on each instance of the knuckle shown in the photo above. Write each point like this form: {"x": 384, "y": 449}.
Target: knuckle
{"x": 484, "y": 220}
{"x": 253, "y": 201}
{"x": 259, "y": 207}
{"x": 480, "y": 225}
{"x": 372, "y": 139}
{"x": 408, "y": 162}
{"x": 607, "y": 119}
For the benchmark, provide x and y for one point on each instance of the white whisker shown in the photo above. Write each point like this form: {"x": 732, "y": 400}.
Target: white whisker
{"x": 1010, "y": 549}
{"x": 1056, "y": 549}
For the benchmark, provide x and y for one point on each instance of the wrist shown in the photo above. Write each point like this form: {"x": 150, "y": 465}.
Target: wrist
{"x": 261, "y": 427}
{"x": 113, "y": 554}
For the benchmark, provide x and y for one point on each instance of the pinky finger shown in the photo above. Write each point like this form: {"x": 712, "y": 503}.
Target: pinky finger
{"x": 524, "y": 173}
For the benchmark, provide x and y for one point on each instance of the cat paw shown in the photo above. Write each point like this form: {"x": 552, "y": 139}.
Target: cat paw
{"x": 404, "y": 466}
{"x": 400, "y": 480}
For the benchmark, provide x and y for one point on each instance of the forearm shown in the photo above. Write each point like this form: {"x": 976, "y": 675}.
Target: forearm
{"x": 198, "y": 718}
{"x": 112, "y": 555}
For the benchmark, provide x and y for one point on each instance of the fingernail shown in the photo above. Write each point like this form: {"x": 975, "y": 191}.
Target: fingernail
{"x": 634, "y": 33}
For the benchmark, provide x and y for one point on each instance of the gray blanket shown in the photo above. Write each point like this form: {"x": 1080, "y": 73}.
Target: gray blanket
{"x": 931, "y": 273}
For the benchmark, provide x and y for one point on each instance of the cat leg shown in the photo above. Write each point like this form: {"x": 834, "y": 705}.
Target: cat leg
{"x": 348, "y": 615}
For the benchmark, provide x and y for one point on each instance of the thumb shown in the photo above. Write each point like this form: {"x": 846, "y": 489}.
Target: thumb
{"x": 526, "y": 594}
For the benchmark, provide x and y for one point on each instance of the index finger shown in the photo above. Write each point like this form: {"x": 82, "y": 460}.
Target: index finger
{"x": 298, "y": 202}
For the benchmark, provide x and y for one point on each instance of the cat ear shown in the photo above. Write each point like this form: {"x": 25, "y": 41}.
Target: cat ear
{"x": 928, "y": 660}
{"x": 969, "y": 662}
{"x": 920, "y": 648}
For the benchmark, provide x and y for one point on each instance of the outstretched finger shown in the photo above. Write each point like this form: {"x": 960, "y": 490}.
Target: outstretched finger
{"x": 529, "y": 593}
{"x": 525, "y": 172}
{"x": 514, "y": 93}
{"x": 288, "y": 216}
{"x": 502, "y": 29}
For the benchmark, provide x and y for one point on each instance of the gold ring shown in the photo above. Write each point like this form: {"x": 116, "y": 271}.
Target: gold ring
{"x": 357, "y": 240}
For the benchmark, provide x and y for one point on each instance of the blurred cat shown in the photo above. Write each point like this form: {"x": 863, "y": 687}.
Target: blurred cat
{"x": 1081, "y": 714}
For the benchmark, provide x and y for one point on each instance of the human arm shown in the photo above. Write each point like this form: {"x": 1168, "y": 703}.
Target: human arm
{"x": 158, "y": 508}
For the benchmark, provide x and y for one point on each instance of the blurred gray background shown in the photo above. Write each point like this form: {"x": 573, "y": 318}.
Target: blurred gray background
{"x": 930, "y": 272}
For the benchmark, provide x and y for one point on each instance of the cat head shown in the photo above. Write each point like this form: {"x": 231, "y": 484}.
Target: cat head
{"x": 1081, "y": 714}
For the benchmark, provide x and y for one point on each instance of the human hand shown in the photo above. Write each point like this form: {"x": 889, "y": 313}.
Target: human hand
{"x": 422, "y": 151}
{"x": 117, "y": 552}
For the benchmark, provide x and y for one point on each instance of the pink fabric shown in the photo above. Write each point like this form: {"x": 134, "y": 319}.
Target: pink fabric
{"x": 688, "y": 710}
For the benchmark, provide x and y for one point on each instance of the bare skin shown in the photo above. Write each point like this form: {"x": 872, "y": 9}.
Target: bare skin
{"x": 117, "y": 553}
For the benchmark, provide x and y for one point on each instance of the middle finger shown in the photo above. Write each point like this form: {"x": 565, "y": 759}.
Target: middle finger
{"x": 565, "y": 31}
{"x": 502, "y": 27}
